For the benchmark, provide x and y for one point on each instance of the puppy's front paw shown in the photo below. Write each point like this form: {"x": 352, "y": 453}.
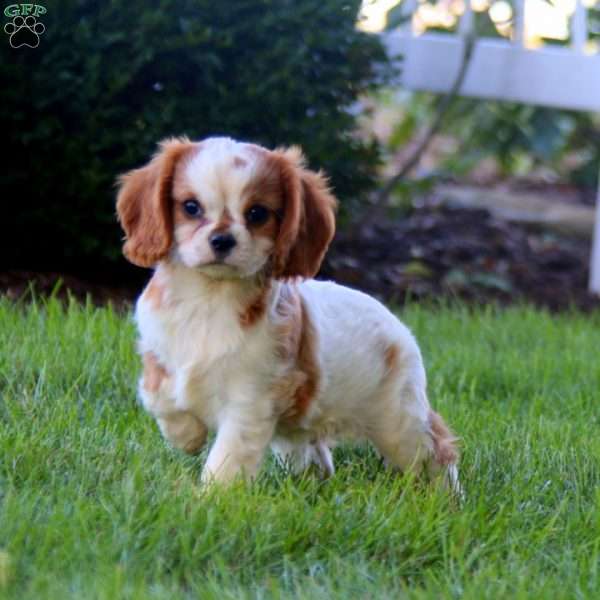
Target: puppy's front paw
{"x": 227, "y": 474}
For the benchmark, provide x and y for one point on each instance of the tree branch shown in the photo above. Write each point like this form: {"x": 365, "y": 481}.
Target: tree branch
{"x": 382, "y": 198}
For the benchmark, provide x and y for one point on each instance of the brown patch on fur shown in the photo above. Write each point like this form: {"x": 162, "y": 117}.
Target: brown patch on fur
{"x": 256, "y": 309}
{"x": 154, "y": 373}
{"x": 269, "y": 228}
{"x": 154, "y": 292}
{"x": 288, "y": 311}
{"x": 239, "y": 162}
{"x": 182, "y": 192}
{"x": 307, "y": 364}
{"x": 298, "y": 345}
{"x": 224, "y": 223}
{"x": 265, "y": 189}
{"x": 144, "y": 204}
{"x": 390, "y": 357}
{"x": 308, "y": 222}
{"x": 444, "y": 442}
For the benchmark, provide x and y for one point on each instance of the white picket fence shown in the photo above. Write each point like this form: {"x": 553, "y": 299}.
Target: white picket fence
{"x": 504, "y": 69}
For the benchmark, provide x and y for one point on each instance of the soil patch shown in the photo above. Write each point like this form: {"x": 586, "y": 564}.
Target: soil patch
{"x": 464, "y": 253}
{"x": 437, "y": 251}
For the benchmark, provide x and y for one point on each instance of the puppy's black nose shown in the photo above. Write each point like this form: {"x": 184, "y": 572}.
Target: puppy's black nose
{"x": 222, "y": 243}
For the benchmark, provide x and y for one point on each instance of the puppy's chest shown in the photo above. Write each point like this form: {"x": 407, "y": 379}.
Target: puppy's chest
{"x": 184, "y": 333}
{"x": 205, "y": 349}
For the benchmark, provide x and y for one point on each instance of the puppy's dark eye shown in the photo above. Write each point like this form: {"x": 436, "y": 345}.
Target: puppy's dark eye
{"x": 192, "y": 208}
{"x": 257, "y": 214}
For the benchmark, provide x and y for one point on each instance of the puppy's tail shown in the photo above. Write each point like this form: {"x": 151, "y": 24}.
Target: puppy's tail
{"x": 445, "y": 453}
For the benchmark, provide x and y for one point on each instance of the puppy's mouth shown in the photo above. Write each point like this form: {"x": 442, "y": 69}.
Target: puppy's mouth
{"x": 219, "y": 269}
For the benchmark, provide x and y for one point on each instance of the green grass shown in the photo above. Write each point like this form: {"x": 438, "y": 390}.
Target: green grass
{"x": 93, "y": 504}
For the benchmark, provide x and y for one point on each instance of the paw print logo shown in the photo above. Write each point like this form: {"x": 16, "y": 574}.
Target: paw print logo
{"x": 24, "y": 31}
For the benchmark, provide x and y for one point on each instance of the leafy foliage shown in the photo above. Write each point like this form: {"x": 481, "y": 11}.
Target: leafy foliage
{"x": 517, "y": 136}
{"x": 110, "y": 79}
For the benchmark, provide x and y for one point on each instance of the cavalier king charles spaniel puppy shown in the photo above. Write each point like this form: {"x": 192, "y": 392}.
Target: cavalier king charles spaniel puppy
{"x": 235, "y": 336}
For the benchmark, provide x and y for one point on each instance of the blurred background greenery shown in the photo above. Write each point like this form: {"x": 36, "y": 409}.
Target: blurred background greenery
{"x": 109, "y": 79}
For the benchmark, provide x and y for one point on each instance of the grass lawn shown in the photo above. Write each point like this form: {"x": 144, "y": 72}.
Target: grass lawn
{"x": 93, "y": 504}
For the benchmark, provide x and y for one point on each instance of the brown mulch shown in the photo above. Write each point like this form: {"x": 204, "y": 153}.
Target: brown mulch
{"x": 439, "y": 251}
{"x": 436, "y": 252}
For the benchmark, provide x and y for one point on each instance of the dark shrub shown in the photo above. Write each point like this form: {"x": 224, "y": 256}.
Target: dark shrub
{"x": 111, "y": 78}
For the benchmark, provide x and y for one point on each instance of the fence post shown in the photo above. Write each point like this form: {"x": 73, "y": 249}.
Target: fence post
{"x": 579, "y": 26}
{"x": 519, "y": 22}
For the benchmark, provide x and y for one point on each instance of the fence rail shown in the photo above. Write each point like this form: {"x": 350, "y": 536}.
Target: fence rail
{"x": 505, "y": 69}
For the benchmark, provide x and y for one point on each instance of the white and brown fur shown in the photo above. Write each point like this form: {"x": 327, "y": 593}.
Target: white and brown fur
{"x": 248, "y": 344}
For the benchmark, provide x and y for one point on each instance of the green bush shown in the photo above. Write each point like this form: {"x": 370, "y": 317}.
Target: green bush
{"x": 518, "y": 137}
{"x": 111, "y": 78}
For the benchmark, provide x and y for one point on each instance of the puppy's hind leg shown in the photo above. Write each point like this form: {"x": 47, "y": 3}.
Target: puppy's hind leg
{"x": 444, "y": 458}
{"x": 324, "y": 458}
{"x": 414, "y": 438}
{"x": 299, "y": 455}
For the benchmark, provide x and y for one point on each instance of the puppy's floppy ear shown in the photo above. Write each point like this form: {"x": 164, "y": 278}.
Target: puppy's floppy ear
{"x": 308, "y": 222}
{"x": 144, "y": 204}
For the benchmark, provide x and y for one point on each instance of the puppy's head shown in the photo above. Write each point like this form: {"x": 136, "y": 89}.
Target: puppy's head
{"x": 227, "y": 208}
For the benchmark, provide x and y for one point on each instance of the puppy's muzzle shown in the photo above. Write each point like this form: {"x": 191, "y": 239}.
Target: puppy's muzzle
{"x": 222, "y": 244}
